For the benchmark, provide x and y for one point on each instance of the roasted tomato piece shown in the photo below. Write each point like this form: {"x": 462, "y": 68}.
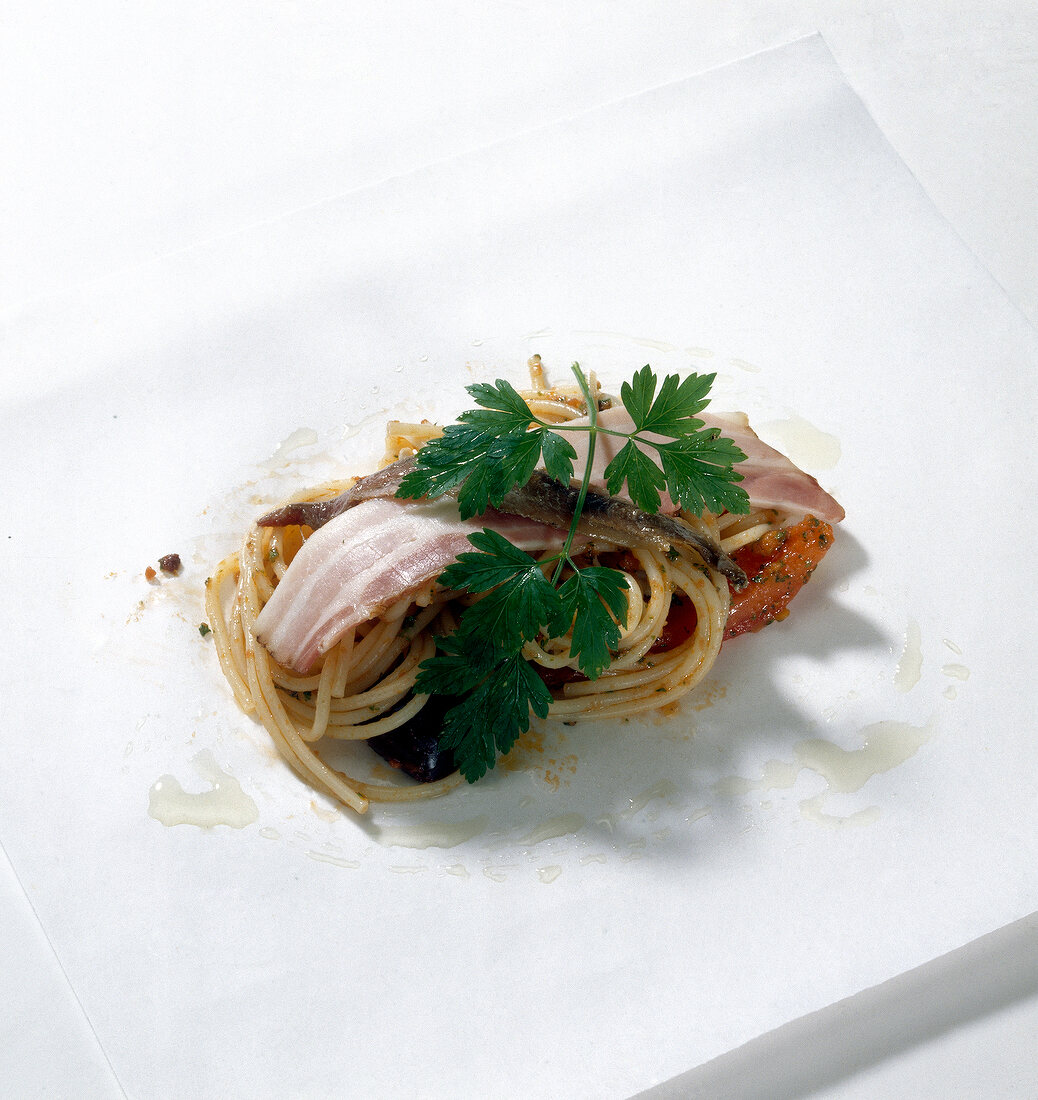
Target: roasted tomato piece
{"x": 779, "y": 564}
{"x": 558, "y": 677}
{"x": 680, "y": 624}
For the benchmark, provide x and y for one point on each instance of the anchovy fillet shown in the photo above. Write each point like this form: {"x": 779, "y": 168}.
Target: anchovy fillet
{"x": 604, "y": 518}
{"x": 316, "y": 513}
{"x": 614, "y": 519}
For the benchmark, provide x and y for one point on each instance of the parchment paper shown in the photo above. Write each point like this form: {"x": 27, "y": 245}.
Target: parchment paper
{"x": 852, "y": 792}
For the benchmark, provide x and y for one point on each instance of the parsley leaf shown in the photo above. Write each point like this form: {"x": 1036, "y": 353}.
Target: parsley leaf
{"x": 700, "y": 474}
{"x": 491, "y": 451}
{"x": 509, "y": 410}
{"x": 498, "y": 694}
{"x": 594, "y": 601}
{"x": 672, "y": 411}
{"x": 696, "y": 466}
{"x": 519, "y": 599}
{"x": 448, "y": 462}
{"x": 559, "y": 456}
{"x": 455, "y": 669}
{"x": 644, "y": 478}
{"x": 491, "y": 718}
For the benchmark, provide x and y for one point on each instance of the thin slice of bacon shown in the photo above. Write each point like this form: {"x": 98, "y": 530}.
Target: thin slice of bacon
{"x": 769, "y": 478}
{"x": 362, "y": 562}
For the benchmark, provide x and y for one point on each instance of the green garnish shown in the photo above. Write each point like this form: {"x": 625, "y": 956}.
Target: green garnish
{"x": 496, "y": 448}
{"x": 203, "y": 629}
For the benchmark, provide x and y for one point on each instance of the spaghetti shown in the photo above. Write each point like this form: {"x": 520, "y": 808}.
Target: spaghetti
{"x": 362, "y": 686}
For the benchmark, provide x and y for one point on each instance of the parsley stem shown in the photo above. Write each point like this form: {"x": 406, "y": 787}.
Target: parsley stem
{"x": 592, "y": 412}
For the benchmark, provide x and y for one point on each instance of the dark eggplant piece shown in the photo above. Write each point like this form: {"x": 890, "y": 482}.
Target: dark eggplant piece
{"x": 414, "y": 747}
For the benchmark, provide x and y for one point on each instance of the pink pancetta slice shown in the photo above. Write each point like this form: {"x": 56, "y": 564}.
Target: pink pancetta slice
{"x": 769, "y": 478}
{"x": 365, "y": 560}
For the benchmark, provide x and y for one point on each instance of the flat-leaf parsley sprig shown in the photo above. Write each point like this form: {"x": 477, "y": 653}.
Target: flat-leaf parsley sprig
{"x": 496, "y": 448}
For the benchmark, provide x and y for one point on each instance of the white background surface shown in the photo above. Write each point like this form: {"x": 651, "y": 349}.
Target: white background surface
{"x": 133, "y": 132}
